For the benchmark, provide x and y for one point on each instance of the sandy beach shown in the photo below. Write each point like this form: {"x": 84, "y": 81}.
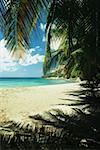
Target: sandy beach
{"x": 19, "y": 103}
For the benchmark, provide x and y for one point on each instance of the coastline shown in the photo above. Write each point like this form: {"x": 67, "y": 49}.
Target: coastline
{"x": 20, "y": 102}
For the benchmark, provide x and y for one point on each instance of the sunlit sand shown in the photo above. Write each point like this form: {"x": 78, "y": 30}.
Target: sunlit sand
{"x": 19, "y": 103}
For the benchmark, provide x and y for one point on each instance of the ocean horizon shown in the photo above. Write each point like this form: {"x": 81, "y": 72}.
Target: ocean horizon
{"x": 30, "y": 81}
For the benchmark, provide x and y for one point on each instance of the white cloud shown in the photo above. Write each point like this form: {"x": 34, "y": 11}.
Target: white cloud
{"x": 42, "y": 26}
{"x": 8, "y": 64}
{"x": 37, "y": 47}
{"x": 30, "y": 60}
{"x": 43, "y": 39}
{"x": 32, "y": 50}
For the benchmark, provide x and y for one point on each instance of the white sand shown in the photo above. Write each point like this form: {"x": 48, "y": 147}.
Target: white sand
{"x": 18, "y": 103}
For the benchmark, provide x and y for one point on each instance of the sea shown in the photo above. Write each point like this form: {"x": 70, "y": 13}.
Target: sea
{"x": 27, "y": 82}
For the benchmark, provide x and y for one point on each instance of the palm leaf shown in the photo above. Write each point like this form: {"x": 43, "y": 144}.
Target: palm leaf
{"x": 19, "y": 18}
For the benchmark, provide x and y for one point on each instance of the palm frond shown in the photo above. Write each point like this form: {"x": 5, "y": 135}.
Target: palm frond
{"x": 81, "y": 23}
{"x": 60, "y": 25}
{"x": 19, "y": 18}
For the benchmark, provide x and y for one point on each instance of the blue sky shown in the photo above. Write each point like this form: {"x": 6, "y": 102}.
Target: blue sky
{"x": 32, "y": 65}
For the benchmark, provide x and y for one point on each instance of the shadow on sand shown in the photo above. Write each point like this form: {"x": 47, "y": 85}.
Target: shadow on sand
{"x": 58, "y": 130}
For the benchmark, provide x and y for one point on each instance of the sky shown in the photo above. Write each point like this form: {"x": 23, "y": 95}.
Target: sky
{"x": 32, "y": 64}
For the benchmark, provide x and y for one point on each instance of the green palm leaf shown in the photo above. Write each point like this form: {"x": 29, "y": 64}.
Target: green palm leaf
{"x": 19, "y": 18}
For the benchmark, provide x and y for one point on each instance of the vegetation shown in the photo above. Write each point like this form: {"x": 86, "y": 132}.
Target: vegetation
{"x": 73, "y": 37}
{"x": 76, "y": 24}
{"x": 72, "y": 34}
{"x": 17, "y": 18}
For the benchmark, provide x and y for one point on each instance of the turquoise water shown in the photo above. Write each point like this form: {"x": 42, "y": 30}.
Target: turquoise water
{"x": 23, "y": 82}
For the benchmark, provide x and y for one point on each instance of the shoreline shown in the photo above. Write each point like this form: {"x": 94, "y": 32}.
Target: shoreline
{"x": 33, "y": 86}
{"x": 19, "y": 103}
{"x": 53, "y": 81}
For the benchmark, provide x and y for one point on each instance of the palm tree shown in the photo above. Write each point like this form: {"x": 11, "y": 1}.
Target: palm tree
{"x": 17, "y": 18}
{"x": 77, "y": 23}
{"x": 61, "y": 25}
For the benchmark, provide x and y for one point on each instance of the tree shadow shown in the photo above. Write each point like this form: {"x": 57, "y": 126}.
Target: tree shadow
{"x": 81, "y": 129}
{"x": 89, "y": 96}
{"x": 59, "y": 130}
